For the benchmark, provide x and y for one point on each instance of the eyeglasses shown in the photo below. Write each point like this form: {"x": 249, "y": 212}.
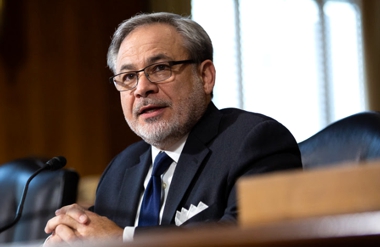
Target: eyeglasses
{"x": 157, "y": 72}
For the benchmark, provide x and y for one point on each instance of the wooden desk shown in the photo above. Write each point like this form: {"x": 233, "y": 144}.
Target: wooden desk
{"x": 362, "y": 229}
{"x": 301, "y": 194}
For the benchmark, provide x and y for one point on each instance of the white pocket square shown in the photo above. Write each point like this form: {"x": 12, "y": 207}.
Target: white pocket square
{"x": 183, "y": 215}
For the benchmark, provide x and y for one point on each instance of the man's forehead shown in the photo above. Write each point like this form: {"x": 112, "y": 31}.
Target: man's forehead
{"x": 149, "y": 44}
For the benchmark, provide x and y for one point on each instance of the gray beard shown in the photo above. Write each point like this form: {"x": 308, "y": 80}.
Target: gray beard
{"x": 161, "y": 133}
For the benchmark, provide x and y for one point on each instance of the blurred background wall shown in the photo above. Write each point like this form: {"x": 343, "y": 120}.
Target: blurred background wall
{"x": 371, "y": 33}
{"x": 55, "y": 98}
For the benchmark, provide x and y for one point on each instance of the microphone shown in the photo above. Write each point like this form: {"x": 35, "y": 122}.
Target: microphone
{"x": 56, "y": 163}
{"x": 53, "y": 164}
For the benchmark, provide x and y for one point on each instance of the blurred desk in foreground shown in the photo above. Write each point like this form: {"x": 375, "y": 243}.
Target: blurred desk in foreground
{"x": 362, "y": 229}
{"x": 335, "y": 190}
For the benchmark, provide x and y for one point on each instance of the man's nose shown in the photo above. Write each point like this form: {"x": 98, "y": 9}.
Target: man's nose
{"x": 144, "y": 86}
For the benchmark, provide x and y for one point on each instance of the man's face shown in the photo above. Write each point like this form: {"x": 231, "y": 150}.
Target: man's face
{"x": 160, "y": 113}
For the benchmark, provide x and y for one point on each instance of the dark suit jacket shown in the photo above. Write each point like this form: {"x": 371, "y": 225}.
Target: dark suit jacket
{"x": 223, "y": 146}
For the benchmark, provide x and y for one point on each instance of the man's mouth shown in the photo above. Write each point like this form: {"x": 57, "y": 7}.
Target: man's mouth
{"x": 149, "y": 109}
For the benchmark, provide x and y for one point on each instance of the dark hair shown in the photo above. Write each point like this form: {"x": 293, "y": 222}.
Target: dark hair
{"x": 196, "y": 40}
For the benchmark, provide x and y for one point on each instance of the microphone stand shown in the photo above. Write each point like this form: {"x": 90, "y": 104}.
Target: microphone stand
{"x": 53, "y": 164}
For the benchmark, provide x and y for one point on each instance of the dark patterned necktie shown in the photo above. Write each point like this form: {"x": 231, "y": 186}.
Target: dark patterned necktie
{"x": 151, "y": 204}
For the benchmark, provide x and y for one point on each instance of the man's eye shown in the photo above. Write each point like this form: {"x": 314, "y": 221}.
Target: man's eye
{"x": 128, "y": 77}
{"x": 160, "y": 67}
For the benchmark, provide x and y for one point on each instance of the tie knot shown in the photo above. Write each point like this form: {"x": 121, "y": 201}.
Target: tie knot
{"x": 161, "y": 164}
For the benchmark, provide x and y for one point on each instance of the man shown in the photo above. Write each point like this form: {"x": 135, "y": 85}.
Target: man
{"x": 164, "y": 71}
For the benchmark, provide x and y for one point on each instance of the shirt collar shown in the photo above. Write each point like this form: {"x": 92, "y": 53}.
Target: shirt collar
{"x": 174, "y": 152}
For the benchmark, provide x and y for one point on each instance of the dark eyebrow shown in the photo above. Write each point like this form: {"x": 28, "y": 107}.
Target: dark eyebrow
{"x": 157, "y": 58}
{"x": 151, "y": 60}
{"x": 126, "y": 67}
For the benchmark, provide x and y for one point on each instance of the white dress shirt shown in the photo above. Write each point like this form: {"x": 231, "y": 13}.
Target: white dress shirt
{"x": 174, "y": 153}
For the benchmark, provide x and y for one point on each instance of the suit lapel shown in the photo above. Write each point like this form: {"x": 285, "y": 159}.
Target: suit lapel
{"x": 191, "y": 160}
{"x": 186, "y": 169}
{"x": 132, "y": 187}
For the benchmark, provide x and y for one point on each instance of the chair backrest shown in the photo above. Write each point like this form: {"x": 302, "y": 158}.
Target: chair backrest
{"x": 47, "y": 192}
{"x": 355, "y": 138}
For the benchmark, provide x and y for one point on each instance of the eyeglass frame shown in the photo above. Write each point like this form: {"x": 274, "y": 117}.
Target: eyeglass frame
{"x": 171, "y": 64}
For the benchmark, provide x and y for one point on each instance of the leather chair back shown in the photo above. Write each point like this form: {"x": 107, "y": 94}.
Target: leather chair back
{"x": 355, "y": 138}
{"x": 47, "y": 192}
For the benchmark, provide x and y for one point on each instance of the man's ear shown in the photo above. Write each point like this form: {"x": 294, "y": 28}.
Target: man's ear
{"x": 207, "y": 73}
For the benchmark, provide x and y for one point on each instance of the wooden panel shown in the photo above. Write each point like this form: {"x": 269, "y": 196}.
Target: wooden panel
{"x": 55, "y": 98}
{"x": 300, "y": 194}
{"x": 182, "y": 7}
{"x": 371, "y": 41}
